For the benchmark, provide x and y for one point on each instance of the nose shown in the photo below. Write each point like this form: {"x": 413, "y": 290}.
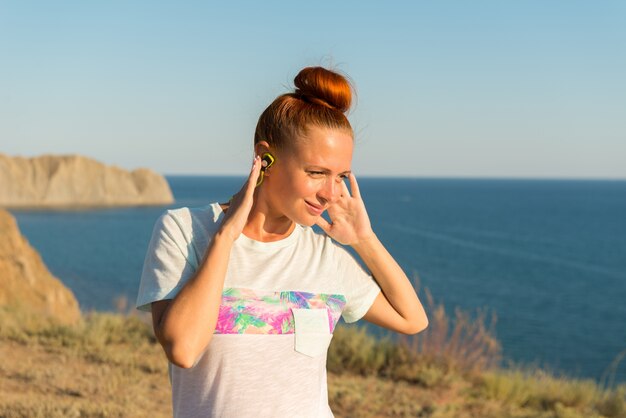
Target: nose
{"x": 330, "y": 190}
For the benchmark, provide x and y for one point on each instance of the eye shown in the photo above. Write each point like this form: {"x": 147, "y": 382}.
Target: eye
{"x": 316, "y": 173}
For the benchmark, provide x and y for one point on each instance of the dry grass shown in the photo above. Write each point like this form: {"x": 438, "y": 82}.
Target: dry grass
{"x": 111, "y": 366}
{"x": 445, "y": 351}
{"x": 464, "y": 344}
{"x": 107, "y": 366}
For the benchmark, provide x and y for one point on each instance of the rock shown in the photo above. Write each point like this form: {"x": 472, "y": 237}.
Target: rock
{"x": 25, "y": 282}
{"x": 59, "y": 181}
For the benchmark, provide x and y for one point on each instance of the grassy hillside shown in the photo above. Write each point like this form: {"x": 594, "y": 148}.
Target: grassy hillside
{"x": 110, "y": 365}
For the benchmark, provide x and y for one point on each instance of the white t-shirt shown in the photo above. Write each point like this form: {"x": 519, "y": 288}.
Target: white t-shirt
{"x": 280, "y": 304}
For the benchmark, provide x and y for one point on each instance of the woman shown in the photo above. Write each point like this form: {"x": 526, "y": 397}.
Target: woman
{"x": 245, "y": 295}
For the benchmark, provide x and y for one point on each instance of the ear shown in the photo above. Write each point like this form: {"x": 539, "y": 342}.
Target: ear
{"x": 262, "y": 147}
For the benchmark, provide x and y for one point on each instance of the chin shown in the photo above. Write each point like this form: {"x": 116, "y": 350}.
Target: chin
{"x": 309, "y": 222}
{"x": 307, "y": 219}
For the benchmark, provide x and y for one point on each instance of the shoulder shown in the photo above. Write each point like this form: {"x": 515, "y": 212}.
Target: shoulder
{"x": 187, "y": 212}
{"x": 329, "y": 248}
{"x": 191, "y": 220}
{"x": 317, "y": 240}
{"x": 311, "y": 234}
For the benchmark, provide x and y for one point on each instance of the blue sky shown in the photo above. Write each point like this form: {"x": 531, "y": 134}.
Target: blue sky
{"x": 508, "y": 89}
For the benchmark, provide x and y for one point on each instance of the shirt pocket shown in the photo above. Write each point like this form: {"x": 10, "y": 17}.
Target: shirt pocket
{"x": 312, "y": 331}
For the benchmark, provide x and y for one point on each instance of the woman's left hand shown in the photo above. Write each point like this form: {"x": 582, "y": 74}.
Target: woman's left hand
{"x": 350, "y": 224}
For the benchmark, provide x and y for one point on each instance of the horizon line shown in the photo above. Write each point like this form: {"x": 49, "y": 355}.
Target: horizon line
{"x": 427, "y": 177}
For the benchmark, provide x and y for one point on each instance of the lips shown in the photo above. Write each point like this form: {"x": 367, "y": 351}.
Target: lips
{"x": 315, "y": 208}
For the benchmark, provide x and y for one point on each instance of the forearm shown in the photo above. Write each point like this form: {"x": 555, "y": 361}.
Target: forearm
{"x": 188, "y": 324}
{"x": 392, "y": 280}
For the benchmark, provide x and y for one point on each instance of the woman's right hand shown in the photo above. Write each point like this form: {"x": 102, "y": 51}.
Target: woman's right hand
{"x": 240, "y": 204}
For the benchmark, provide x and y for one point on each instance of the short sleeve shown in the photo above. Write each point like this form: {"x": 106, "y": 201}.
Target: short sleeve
{"x": 360, "y": 287}
{"x": 166, "y": 268}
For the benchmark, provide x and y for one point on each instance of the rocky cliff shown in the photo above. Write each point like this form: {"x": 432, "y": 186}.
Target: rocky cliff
{"x": 51, "y": 181}
{"x": 25, "y": 282}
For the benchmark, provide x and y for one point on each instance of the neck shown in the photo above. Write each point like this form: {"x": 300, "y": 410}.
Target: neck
{"x": 265, "y": 223}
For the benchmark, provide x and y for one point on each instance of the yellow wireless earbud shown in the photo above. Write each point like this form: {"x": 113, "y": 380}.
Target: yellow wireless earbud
{"x": 266, "y": 161}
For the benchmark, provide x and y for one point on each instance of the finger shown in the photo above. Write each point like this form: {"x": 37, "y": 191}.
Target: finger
{"x": 344, "y": 189}
{"x": 354, "y": 186}
{"x": 323, "y": 223}
{"x": 255, "y": 172}
{"x": 248, "y": 186}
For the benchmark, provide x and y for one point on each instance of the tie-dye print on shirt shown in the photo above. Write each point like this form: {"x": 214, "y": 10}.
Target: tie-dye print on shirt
{"x": 249, "y": 311}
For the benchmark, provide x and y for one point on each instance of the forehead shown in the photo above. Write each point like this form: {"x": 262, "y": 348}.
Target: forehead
{"x": 327, "y": 148}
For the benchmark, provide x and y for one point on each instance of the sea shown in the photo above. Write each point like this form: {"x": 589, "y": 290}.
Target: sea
{"x": 546, "y": 257}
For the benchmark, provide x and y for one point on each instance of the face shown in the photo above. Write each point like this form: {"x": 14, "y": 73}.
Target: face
{"x": 306, "y": 178}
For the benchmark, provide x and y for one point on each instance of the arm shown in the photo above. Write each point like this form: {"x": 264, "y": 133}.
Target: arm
{"x": 184, "y": 325}
{"x": 397, "y": 307}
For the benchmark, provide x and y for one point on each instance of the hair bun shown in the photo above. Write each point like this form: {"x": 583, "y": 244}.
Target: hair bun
{"x": 324, "y": 87}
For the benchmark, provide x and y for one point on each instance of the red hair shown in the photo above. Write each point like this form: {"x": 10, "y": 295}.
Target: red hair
{"x": 321, "y": 98}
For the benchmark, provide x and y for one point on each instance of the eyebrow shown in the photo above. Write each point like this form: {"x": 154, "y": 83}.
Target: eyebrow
{"x": 325, "y": 170}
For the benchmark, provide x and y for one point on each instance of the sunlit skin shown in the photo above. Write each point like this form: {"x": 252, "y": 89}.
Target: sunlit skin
{"x": 311, "y": 170}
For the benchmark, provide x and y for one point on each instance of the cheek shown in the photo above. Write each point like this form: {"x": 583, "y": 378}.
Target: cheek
{"x": 304, "y": 186}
